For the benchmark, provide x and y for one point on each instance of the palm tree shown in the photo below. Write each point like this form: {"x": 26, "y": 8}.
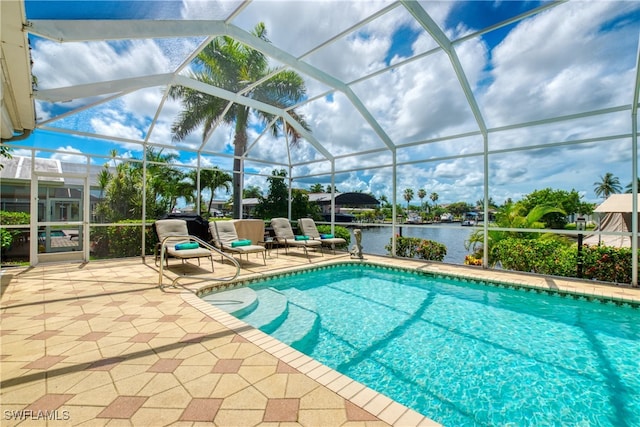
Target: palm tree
{"x": 608, "y": 185}
{"x": 316, "y": 188}
{"x": 212, "y": 179}
{"x": 434, "y": 197}
{"x": 509, "y": 217}
{"x": 421, "y": 195}
{"x": 104, "y": 176}
{"x": 252, "y": 191}
{"x": 629, "y": 187}
{"x": 235, "y": 67}
{"x": 408, "y": 196}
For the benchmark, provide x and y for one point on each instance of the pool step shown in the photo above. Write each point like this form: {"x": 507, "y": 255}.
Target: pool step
{"x": 300, "y": 328}
{"x": 271, "y": 311}
{"x": 237, "y": 302}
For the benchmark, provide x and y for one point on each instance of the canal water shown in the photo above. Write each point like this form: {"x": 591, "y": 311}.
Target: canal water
{"x": 453, "y": 236}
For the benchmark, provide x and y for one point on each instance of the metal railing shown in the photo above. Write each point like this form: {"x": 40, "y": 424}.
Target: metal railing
{"x": 163, "y": 255}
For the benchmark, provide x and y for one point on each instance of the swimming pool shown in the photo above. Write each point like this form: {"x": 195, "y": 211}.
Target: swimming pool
{"x": 460, "y": 352}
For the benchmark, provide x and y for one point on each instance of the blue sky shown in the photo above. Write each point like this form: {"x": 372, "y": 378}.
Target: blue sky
{"x": 577, "y": 57}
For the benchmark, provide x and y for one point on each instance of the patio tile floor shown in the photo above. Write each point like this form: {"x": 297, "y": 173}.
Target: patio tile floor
{"x": 101, "y": 343}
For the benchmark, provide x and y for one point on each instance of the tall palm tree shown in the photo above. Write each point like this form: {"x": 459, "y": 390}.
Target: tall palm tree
{"x": 421, "y": 195}
{"x": 233, "y": 66}
{"x": 434, "y": 197}
{"x": 608, "y": 185}
{"x": 408, "y": 196}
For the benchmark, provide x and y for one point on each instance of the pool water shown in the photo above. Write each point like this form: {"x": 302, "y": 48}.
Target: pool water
{"x": 459, "y": 352}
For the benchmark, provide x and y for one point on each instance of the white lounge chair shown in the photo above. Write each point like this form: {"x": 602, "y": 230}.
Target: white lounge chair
{"x": 284, "y": 236}
{"x": 307, "y": 226}
{"x": 225, "y": 238}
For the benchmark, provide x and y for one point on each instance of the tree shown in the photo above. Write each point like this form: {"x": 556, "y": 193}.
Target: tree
{"x": 301, "y": 207}
{"x": 434, "y": 197}
{"x": 492, "y": 203}
{"x": 459, "y": 208}
{"x": 421, "y": 195}
{"x": 608, "y": 185}
{"x": 408, "y": 195}
{"x": 509, "y": 216}
{"x": 317, "y": 188}
{"x": 165, "y": 183}
{"x": 235, "y": 67}
{"x": 276, "y": 203}
{"x": 123, "y": 187}
{"x": 629, "y": 187}
{"x": 328, "y": 190}
{"x": 213, "y": 180}
{"x": 566, "y": 201}
{"x": 104, "y": 176}
{"x": 252, "y": 192}
{"x": 5, "y": 151}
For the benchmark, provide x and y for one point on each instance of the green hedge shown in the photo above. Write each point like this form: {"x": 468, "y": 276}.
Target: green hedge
{"x": 556, "y": 258}
{"x": 11, "y": 218}
{"x": 414, "y": 247}
{"x": 121, "y": 241}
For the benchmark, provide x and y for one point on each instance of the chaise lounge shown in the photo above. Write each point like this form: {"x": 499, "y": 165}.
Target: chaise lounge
{"x": 284, "y": 236}
{"x": 175, "y": 241}
{"x": 225, "y": 238}
{"x": 307, "y": 226}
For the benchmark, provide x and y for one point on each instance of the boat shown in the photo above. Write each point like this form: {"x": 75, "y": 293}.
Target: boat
{"x": 414, "y": 218}
{"x": 446, "y": 217}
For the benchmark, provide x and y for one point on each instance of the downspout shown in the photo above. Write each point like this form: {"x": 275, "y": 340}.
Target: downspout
{"x": 24, "y": 135}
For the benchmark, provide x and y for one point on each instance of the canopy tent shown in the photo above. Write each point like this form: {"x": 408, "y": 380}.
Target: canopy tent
{"x": 614, "y": 216}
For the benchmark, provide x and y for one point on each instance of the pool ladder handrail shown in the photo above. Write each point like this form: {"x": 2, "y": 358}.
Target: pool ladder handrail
{"x": 207, "y": 245}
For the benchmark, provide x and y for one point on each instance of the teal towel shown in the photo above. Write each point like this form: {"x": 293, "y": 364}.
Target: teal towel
{"x": 326, "y": 236}
{"x": 302, "y": 237}
{"x": 190, "y": 245}
{"x": 237, "y": 243}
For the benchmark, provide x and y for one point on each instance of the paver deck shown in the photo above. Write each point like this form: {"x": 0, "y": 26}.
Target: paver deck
{"x": 101, "y": 343}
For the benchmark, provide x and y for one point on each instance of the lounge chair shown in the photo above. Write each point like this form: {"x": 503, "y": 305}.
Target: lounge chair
{"x": 225, "y": 238}
{"x": 284, "y": 236}
{"x": 175, "y": 241}
{"x": 307, "y": 226}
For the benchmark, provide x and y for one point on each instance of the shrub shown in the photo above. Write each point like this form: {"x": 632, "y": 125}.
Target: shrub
{"x": 11, "y": 218}
{"x": 121, "y": 241}
{"x": 607, "y": 264}
{"x": 339, "y": 231}
{"x": 414, "y": 247}
{"x": 556, "y": 258}
{"x": 542, "y": 256}
{"x": 472, "y": 260}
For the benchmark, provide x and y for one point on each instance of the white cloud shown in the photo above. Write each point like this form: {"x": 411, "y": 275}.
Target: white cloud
{"x": 69, "y": 154}
{"x": 562, "y": 61}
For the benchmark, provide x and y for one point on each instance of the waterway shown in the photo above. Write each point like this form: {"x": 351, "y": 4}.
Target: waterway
{"x": 452, "y": 235}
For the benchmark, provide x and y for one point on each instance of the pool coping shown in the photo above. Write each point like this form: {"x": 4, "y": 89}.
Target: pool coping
{"x": 376, "y": 403}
